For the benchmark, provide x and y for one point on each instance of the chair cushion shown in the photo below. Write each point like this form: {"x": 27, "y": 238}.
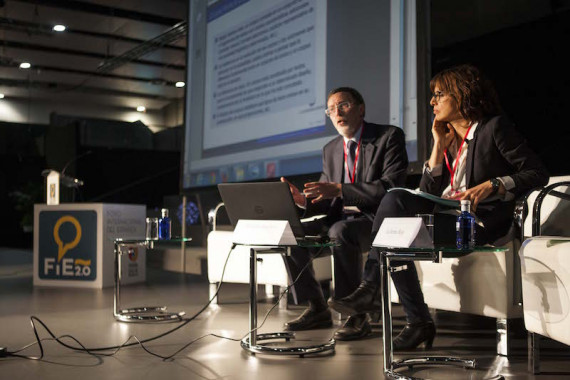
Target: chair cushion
{"x": 545, "y": 282}
{"x": 480, "y": 283}
{"x": 271, "y": 269}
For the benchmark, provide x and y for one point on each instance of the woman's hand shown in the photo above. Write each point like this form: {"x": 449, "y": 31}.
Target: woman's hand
{"x": 478, "y": 193}
{"x": 443, "y": 134}
{"x": 298, "y": 197}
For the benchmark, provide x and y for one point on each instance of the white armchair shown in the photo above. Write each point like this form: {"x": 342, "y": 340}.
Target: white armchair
{"x": 484, "y": 283}
{"x": 272, "y": 269}
{"x": 546, "y": 270}
{"x": 481, "y": 283}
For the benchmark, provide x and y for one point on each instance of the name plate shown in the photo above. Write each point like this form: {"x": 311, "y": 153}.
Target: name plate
{"x": 263, "y": 232}
{"x": 403, "y": 233}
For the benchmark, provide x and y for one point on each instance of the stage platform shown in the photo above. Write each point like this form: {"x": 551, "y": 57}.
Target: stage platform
{"x": 86, "y": 314}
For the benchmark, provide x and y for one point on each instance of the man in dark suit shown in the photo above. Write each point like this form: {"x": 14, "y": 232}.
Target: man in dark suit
{"x": 359, "y": 166}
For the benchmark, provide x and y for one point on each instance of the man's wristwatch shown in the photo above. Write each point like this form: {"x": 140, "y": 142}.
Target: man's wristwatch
{"x": 496, "y": 184}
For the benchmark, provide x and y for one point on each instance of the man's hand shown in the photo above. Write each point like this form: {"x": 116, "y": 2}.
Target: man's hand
{"x": 298, "y": 197}
{"x": 322, "y": 190}
{"x": 478, "y": 193}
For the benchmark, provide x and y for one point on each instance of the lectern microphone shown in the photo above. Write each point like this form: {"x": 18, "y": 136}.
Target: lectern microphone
{"x": 73, "y": 160}
{"x": 70, "y": 181}
{"x": 65, "y": 180}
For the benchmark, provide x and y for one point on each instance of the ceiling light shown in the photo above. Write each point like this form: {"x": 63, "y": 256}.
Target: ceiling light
{"x": 1, "y": 96}
{"x": 59, "y": 28}
{"x": 141, "y": 108}
{"x": 25, "y": 65}
{"x": 180, "y": 84}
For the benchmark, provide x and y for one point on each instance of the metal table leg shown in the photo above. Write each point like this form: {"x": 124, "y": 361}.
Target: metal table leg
{"x": 390, "y": 365}
{"x": 386, "y": 314}
{"x": 250, "y": 343}
{"x": 533, "y": 353}
{"x": 141, "y": 313}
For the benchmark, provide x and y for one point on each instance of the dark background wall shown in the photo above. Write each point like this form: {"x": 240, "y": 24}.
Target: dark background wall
{"x": 22, "y": 159}
{"x": 528, "y": 64}
{"x": 118, "y": 162}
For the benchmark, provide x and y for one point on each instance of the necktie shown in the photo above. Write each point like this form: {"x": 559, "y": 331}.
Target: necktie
{"x": 351, "y": 153}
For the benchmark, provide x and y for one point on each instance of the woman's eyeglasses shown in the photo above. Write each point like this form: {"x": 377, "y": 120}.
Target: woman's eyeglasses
{"x": 437, "y": 96}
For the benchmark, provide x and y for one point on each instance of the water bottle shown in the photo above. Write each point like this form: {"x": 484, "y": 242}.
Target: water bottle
{"x": 164, "y": 225}
{"x": 465, "y": 227}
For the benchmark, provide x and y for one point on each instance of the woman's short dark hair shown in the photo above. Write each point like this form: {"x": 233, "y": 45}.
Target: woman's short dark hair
{"x": 475, "y": 95}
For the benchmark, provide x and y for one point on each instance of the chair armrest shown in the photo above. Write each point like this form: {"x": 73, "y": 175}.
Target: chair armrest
{"x": 516, "y": 231}
{"x": 213, "y": 215}
{"x": 548, "y": 190}
{"x": 521, "y": 211}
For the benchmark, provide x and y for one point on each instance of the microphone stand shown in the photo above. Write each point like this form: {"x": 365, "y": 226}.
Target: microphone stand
{"x": 71, "y": 182}
{"x": 68, "y": 181}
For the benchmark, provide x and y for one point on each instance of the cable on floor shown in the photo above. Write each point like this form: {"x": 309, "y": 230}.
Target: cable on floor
{"x": 98, "y": 351}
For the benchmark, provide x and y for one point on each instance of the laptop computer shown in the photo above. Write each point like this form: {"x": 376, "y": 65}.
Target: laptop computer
{"x": 263, "y": 201}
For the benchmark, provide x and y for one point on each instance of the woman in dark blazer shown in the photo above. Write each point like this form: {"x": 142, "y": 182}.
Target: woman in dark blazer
{"x": 477, "y": 155}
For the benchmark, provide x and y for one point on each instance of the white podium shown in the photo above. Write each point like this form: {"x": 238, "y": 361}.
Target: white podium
{"x": 73, "y": 244}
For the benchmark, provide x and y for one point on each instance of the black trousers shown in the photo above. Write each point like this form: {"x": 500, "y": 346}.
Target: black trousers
{"x": 353, "y": 238}
{"x": 400, "y": 204}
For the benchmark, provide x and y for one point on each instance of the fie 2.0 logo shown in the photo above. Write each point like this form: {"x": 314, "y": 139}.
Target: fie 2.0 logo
{"x": 68, "y": 245}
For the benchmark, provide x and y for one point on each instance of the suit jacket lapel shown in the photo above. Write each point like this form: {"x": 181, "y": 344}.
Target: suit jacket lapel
{"x": 470, "y": 162}
{"x": 338, "y": 161}
{"x": 367, "y": 152}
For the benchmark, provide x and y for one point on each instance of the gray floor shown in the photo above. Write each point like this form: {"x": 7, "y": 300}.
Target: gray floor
{"x": 87, "y": 316}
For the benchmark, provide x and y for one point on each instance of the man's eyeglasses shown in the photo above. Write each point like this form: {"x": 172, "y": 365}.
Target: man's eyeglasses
{"x": 342, "y": 106}
{"x": 437, "y": 96}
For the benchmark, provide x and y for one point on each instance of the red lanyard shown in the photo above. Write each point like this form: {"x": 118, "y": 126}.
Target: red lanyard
{"x": 456, "y": 159}
{"x": 353, "y": 177}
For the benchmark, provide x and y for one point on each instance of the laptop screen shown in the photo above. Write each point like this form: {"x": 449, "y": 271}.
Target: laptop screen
{"x": 261, "y": 201}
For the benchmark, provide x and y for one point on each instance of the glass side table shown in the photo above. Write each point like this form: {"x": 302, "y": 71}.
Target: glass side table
{"x": 141, "y": 313}
{"x": 416, "y": 254}
{"x": 251, "y": 342}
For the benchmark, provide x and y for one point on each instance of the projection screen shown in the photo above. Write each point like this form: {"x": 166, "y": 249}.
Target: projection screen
{"x": 258, "y": 73}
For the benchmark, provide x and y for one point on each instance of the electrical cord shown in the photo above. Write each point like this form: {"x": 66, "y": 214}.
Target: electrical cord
{"x": 116, "y": 348}
{"x": 315, "y": 256}
{"x": 99, "y": 351}
{"x": 170, "y": 357}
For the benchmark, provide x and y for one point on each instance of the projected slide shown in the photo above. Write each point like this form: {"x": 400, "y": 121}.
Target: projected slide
{"x": 264, "y": 91}
{"x": 261, "y": 69}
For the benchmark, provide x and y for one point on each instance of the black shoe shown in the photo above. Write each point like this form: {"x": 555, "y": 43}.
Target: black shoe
{"x": 415, "y": 334}
{"x": 355, "y": 327}
{"x": 365, "y": 299}
{"x": 309, "y": 320}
